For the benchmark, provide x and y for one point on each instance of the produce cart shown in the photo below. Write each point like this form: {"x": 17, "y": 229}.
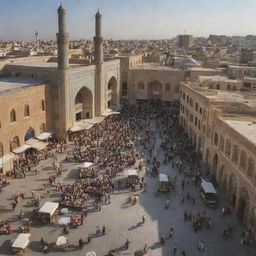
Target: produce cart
{"x": 20, "y": 244}
{"x": 48, "y": 212}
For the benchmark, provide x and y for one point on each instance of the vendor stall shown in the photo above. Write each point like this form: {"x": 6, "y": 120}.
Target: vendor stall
{"x": 20, "y": 243}
{"x": 48, "y": 212}
{"x": 164, "y": 184}
{"x": 62, "y": 242}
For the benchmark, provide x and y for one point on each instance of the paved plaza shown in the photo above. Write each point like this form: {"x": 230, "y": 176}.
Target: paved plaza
{"x": 122, "y": 220}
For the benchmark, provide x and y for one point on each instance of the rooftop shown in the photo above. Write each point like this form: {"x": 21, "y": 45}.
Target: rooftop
{"x": 245, "y": 128}
{"x": 154, "y": 67}
{"x": 218, "y": 78}
{"x": 11, "y": 84}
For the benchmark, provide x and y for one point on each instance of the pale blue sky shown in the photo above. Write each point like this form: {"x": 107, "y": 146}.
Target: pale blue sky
{"x": 128, "y": 19}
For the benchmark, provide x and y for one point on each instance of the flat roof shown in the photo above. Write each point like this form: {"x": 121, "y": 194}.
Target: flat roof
{"x": 154, "y": 66}
{"x": 245, "y": 128}
{"x": 10, "y": 84}
{"x": 219, "y": 79}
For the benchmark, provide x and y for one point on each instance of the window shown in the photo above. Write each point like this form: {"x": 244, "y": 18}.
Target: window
{"x": 197, "y": 107}
{"x": 42, "y": 128}
{"x": 42, "y": 105}
{"x": 199, "y": 124}
{"x": 13, "y": 115}
{"x": 140, "y": 86}
{"x": 235, "y": 154}
{"x": 26, "y": 110}
{"x": 167, "y": 87}
{"x": 251, "y": 166}
{"x": 242, "y": 160}
{"x": 200, "y": 110}
{"x": 216, "y": 138}
{"x": 191, "y": 118}
{"x": 187, "y": 98}
{"x": 221, "y": 143}
{"x": 195, "y": 121}
{"x": 227, "y": 148}
{"x": 191, "y": 102}
{"x": 1, "y": 150}
{"x": 184, "y": 96}
{"x": 228, "y": 87}
{"x": 217, "y": 86}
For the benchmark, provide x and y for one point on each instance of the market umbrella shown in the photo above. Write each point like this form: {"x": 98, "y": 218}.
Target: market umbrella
{"x": 64, "y": 210}
{"x": 91, "y": 253}
{"x": 85, "y": 165}
{"x": 61, "y": 240}
{"x": 63, "y": 221}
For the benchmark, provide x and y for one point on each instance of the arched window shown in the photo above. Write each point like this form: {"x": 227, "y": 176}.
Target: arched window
{"x": 1, "y": 150}
{"x": 42, "y": 128}
{"x": 14, "y": 143}
{"x": 216, "y": 138}
{"x": 177, "y": 88}
{"x": 227, "y": 148}
{"x": 250, "y": 168}
{"x": 13, "y": 115}
{"x": 140, "y": 86}
{"x": 167, "y": 87}
{"x": 26, "y": 110}
{"x": 42, "y": 105}
{"x": 242, "y": 160}
{"x": 235, "y": 154}
{"x": 221, "y": 143}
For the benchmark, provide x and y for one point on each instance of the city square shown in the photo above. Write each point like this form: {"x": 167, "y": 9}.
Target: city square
{"x": 122, "y": 219}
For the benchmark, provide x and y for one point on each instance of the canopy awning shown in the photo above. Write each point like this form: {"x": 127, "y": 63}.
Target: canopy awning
{"x": 21, "y": 149}
{"x": 44, "y": 136}
{"x": 163, "y": 177}
{"x": 49, "y": 207}
{"x": 208, "y": 187}
{"x": 62, "y": 240}
{"x": 34, "y": 143}
{"x": 21, "y": 241}
{"x": 96, "y": 120}
{"x": 132, "y": 172}
{"x": 80, "y": 127}
{"x": 85, "y": 165}
{"x": 6, "y": 158}
{"x": 109, "y": 112}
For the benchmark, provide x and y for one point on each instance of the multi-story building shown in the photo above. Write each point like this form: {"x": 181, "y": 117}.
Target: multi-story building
{"x": 222, "y": 126}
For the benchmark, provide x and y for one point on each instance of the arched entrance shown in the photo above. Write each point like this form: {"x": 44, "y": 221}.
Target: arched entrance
{"x": 29, "y": 134}
{"x": 14, "y": 143}
{"x": 155, "y": 92}
{"x": 112, "y": 92}
{"x": 83, "y": 104}
{"x": 243, "y": 204}
{"x": 232, "y": 189}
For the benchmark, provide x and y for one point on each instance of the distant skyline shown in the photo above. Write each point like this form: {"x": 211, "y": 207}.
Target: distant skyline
{"x": 127, "y": 19}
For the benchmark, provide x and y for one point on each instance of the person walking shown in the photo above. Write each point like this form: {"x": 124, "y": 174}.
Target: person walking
{"x": 174, "y": 249}
{"x": 143, "y": 219}
{"x": 162, "y": 239}
{"x": 81, "y": 243}
{"x": 127, "y": 244}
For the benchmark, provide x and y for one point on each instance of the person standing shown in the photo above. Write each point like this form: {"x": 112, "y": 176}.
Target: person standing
{"x": 143, "y": 219}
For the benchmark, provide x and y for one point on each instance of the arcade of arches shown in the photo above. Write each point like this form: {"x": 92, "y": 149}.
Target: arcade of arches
{"x": 237, "y": 194}
{"x": 155, "y": 91}
{"x": 83, "y": 104}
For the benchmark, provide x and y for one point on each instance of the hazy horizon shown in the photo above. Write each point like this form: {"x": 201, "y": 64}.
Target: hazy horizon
{"x": 127, "y": 20}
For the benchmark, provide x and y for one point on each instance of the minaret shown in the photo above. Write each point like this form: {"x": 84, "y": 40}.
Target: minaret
{"x": 99, "y": 62}
{"x": 63, "y": 65}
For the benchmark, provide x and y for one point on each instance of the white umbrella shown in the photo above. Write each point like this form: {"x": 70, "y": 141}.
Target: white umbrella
{"x": 63, "y": 221}
{"x": 85, "y": 165}
{"x": 91, "y": 253}
{"x": 61, "y": 240}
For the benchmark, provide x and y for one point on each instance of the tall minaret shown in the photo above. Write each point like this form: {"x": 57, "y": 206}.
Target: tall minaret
{"x": 63, "y": 65}
{"x": 99, "y": 61}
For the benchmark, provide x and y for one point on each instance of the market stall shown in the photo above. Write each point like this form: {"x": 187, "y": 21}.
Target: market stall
{"x": 20, "y": 243}
{"x": 48, "y": 212}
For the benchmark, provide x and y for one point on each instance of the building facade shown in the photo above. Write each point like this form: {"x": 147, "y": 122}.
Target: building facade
{"x": 223, "y": 131}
